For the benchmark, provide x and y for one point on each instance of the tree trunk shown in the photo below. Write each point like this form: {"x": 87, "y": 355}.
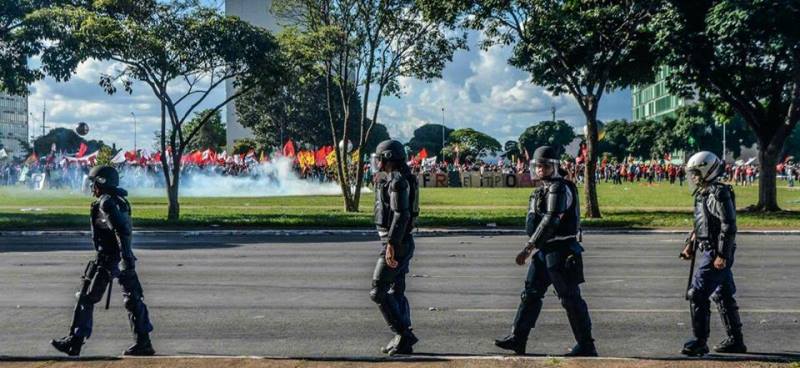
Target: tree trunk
{"x": 174, "y": 212}
{"x": 768, "y": 156}
{"x": 592, "y": 206}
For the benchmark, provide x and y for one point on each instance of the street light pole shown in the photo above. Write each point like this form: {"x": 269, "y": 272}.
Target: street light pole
{"x": 135, "y": 146}
{"x": 443, "y": 130}
{"x": 724, "y": 143}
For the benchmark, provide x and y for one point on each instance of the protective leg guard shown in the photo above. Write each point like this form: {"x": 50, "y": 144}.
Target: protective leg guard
{"x": 70, "y": 345}
{"x": 729, "y": 313}
{"x": 700, "y": 309}
{"x": 581, "y": 324}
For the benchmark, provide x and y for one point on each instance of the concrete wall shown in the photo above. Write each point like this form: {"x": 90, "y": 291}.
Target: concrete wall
{"x": 257, "y": 13}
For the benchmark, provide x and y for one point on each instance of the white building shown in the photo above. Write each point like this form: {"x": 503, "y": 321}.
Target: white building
{"x": 256, "y": 12}
{"x": 13, "y": 123}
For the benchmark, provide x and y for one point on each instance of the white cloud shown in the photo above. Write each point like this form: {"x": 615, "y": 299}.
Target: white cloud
{"x": 478, "y": 90}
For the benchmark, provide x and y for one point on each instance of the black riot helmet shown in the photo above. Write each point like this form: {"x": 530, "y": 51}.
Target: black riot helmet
{"x": 391, "y": 150}
{"x": 388, "y": 150}
{"x": 545, "y": 155}
{"x": 105, "y": 177}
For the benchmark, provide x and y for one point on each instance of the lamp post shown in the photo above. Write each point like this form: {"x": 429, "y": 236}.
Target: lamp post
{"x": 135, "y": 147}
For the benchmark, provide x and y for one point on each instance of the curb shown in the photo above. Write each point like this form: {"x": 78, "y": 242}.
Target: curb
{"x": 361, "y": 232}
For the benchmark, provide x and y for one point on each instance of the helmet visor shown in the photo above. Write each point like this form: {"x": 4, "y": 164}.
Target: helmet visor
{"x": 694, "y": 177}
{"x": 543, "y": 169}
{"x": 375, "y": 163}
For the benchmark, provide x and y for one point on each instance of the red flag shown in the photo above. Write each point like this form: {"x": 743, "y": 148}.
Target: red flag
{"x": 196, "y": 157}
{"x": 288, "y": 149}
{"x": 130, "y": 156}
{"x": 82, "y": 150}
{"x": 156, "y": 157}
{"x": 423, "y": 154}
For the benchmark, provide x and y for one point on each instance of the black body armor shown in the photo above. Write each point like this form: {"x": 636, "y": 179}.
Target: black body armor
{"x": 553, "y": 213}
{"x": 111, "y": 227}
{"x": 715, "y": 218}
{"x": 396, "y": 206}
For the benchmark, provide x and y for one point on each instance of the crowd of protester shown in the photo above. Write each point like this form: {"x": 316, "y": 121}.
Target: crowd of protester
{"x": 72, "y": 175}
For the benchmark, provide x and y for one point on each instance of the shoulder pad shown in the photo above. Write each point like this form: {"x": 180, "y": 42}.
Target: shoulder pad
{"x": 106, "y": 201}
{"x": 720, "y": 191}
{"x": 557, "y": 186}
{"x": 398, "y": 182}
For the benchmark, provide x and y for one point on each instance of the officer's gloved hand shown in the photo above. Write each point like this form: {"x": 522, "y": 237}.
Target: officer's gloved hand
{"x": 523, "y": 256}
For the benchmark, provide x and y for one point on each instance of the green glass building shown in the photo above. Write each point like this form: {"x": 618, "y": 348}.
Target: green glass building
{"x": 653, "y": 101}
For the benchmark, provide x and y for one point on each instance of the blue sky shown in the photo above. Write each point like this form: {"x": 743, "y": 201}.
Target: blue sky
{"x": 478, "y": 90}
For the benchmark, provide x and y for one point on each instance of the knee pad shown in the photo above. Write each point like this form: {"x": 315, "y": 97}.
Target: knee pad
{"x": 530, "y": 296}
{"x": 697, "y": 297}
{"x": 379, "y": 293}
{"x": 131, "y": 301}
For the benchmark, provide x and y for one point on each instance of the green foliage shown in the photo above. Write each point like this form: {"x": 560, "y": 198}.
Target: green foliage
{"x": 245, "y": 145}
{"x": 615, "y": 140}
{"x": 470, "y": 144}
{"x": 740, "y": 55}
{"x": 546, "y": 133}
{"x": 21, "y": 39}
{"x": 183, "y": 51}
{"x": 209, "y": 135}
{"x": 365, "y": 45}
{"x": 104, "y": 156}
{"x": 583, "y": 48}
{"x": 430, "y": 137}
{"x": 66, "y": 140}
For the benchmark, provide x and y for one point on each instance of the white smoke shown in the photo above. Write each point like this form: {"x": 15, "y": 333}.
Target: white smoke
{"x": 276, "y": 178}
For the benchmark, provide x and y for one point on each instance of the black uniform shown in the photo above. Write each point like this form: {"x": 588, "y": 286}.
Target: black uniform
{"x": 553, "y": 224}
{"x": 111, "y": 236}
{"x": 396, "y": 208}
{"x": 715, "y": 231}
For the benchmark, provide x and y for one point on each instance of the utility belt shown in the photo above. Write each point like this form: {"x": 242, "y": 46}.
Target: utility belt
{"x": 705, "y": 245}
{"x": 558, "y": 242}
{"x": 107, "y": 259}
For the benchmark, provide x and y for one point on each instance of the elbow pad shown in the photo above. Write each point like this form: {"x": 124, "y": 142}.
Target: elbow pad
{"x": 556, "y": 206}
{"x": 723, "y": 207}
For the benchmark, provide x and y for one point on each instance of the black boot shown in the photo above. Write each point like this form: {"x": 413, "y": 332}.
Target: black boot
{"x": 586, "y": 349}
{"x": 405, "y": 345}
{"x": 512, "y": 342}
{"x": 142, "y": 347}
{"x": 70, "y": 345}
{"x": 695, "y": 348}
{"x": 731, "y": 345}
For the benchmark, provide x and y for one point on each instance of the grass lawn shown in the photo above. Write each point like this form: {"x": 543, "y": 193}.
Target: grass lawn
{"x": 634, "y": 205}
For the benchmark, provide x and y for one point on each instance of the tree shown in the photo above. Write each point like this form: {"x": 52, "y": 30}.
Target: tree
{"x": 615, "y": 142}
{"x": 512, "y": 150}
{"x": 546, "y": 133}
{"x": 431, "y": 137}
{"x": 581, "y": 47}
{"x": 18, "y": 43}
{"x": 105, "y": 156}
{"x": 740, "y": 55}
{"x": 181, "y": 50}
{"x": 696, "y": 128}
{"x": 641, "y": 136}
{"x": 365, "y": 45}
{"x": 66, "y": 140}
{"x": 210, "y": 135}
{"x": 468, "y": 143}
{"x": 245, "y": 145}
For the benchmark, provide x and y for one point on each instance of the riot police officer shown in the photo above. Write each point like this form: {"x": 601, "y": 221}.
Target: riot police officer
{"x": 715, "y": 239}
{"x": 553, "y": 225}
{"x": 111, "y": 236}
{"x": 396, "y": 208}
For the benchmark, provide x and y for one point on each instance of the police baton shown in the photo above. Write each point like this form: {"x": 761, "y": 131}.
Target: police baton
{"x": 108, "y": 297}
{"x": 690, "y": 243}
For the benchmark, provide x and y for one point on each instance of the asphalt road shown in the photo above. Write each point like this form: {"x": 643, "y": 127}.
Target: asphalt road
{"x": 308, "y": 296}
